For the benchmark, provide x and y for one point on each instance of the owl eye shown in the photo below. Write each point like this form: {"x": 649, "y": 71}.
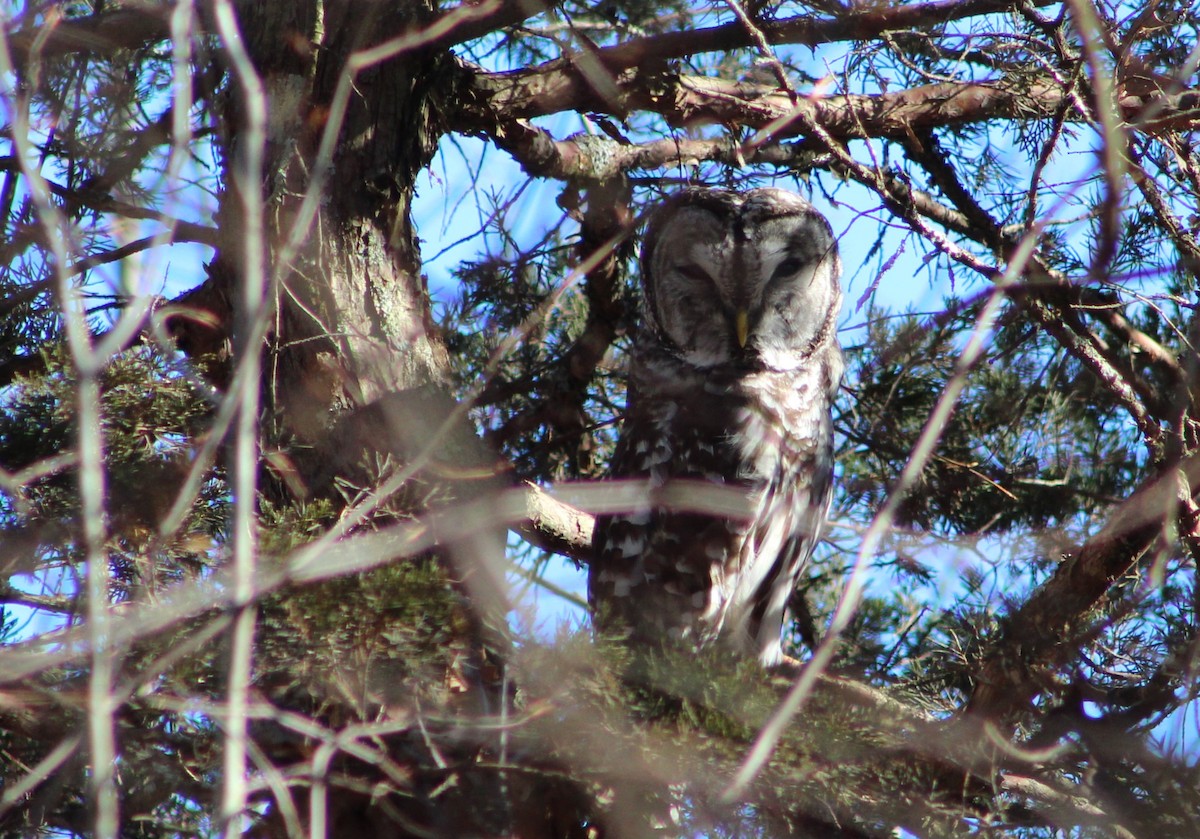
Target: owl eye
{"x": 788, "y": 267}
{"x": 695, "y": 272}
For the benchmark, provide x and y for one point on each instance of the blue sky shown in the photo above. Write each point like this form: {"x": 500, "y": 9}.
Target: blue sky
{"x": 453, "y": 195}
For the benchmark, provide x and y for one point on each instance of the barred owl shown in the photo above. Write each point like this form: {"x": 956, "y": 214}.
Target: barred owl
{"x": 732, "y": 374}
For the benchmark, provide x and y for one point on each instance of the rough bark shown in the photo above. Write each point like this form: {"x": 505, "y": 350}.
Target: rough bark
{"x": 355, "y": 376}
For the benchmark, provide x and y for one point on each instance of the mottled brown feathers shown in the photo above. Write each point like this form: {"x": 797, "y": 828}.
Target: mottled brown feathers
{"x": 747, "y": 407}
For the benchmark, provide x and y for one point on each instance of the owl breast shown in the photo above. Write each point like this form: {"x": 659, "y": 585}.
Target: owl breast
{"x": 695, "y": 579}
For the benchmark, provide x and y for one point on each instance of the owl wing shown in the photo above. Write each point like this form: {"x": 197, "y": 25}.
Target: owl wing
{"x": 775, "y": 552}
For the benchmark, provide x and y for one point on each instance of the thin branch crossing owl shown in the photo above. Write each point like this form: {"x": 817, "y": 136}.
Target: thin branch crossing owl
{"x": 732, "y": 374}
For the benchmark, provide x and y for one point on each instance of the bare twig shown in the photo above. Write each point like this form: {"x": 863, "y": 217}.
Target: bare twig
{"x": 254, "y": 317}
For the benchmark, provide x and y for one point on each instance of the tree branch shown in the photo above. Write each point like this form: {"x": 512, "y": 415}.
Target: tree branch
{"x": 1051, "y": 303}
{"x": 1035, "y": 637}
{"x": 694, "y": 100}
{"x": 121, "y": 28}
{"x": 863, "y": 24}
{"x": 1071, "y": 810}
{"x": 605, "y": 226}
{"x": 555, "y": 526}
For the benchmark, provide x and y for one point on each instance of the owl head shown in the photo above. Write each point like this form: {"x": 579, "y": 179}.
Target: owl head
{"x": 744, "y": 279}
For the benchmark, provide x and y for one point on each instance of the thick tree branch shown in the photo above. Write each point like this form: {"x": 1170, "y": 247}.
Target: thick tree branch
{"x": 503, "y": 13}
{"x": 132, "y": 27}
{"x": 1066, "y": 809}
{"x": 863, "y": 24}
{"x": 121, "y": 28}
{"x": 692, "y": 100}
{"x": 556, "y": 526}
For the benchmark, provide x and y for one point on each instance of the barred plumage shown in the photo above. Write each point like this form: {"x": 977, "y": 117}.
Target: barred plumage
{"x": 732, "y": 375}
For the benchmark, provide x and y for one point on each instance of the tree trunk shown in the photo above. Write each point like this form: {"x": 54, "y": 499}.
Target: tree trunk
{"x": 353, "y": 313}
{"x": 356, "y": 380}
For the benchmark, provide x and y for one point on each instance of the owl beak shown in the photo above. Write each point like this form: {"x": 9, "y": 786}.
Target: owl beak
{"x": 741, "y": 327}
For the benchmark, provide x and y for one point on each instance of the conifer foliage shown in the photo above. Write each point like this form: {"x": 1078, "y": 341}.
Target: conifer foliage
{"x": 312, "y": 362}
